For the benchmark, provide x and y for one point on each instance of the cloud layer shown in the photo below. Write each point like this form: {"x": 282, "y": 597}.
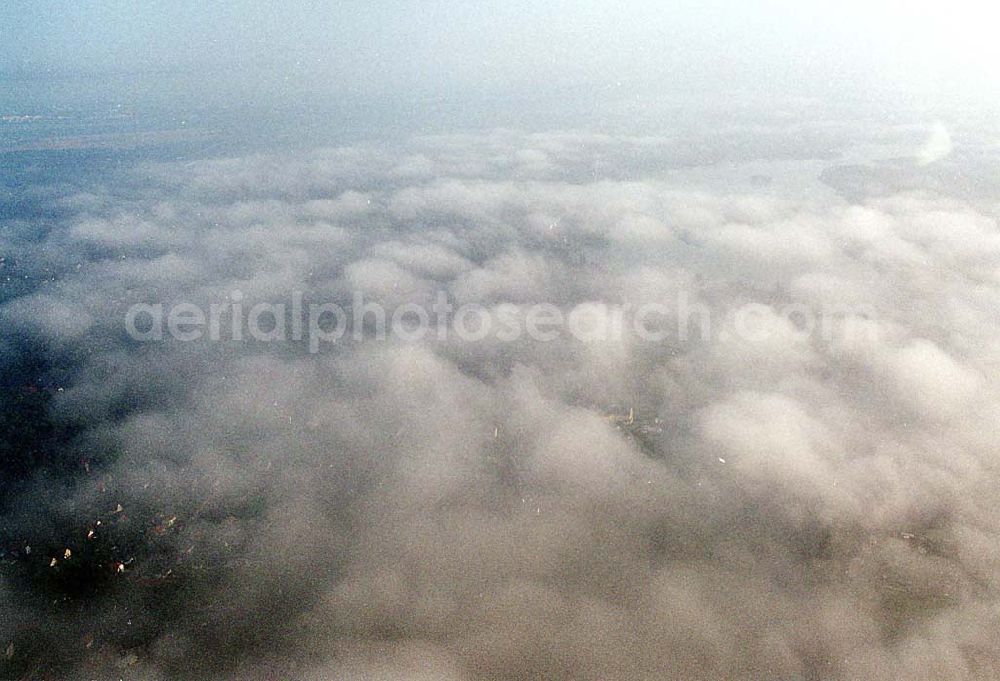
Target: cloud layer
{"x": 785, "y": 506}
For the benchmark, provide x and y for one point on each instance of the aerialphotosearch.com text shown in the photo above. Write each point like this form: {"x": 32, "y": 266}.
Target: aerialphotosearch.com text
{"x": 325, "y": 324}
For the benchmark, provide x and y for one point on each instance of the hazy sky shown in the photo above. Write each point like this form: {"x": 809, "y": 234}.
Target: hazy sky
{"x": 276, "y": 49}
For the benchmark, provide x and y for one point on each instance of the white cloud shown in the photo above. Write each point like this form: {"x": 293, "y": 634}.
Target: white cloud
{"x": 452, "y": 509}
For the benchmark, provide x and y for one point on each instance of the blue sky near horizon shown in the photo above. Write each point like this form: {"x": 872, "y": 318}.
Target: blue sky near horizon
{"x": 444, "y": 44}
